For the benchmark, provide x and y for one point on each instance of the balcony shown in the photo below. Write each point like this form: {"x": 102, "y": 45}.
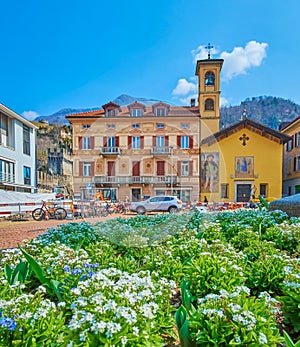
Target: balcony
{"x": 136, "y": 180}
{"x": 110, "y": 151}
{"x": 161, "y": 150}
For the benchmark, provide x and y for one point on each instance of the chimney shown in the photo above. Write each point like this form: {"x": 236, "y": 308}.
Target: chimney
{"x": 193, "y": 102}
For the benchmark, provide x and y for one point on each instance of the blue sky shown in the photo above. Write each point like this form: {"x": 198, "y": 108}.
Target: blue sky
{"x": 81, "y": 54}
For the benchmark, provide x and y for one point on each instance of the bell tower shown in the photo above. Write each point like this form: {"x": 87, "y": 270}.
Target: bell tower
{"x": 208, "y": 72}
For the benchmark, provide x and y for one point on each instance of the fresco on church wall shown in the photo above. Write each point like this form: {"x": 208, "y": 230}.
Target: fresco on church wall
{"x": 244, "y": 167}
{"x": 210, "y": 172}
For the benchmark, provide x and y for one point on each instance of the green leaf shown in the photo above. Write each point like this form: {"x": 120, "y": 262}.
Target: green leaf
{"x": 182, "y": 326}
{"x": 288, "y": 340}
{"x": 56, "y": 286}
{"x": 20, "y": 272}
{"x": 8, "y": 273}
{"x": 36, "y": 268}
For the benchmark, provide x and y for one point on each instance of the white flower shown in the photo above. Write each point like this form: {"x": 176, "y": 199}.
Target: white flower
{"x": 135, "y": 331}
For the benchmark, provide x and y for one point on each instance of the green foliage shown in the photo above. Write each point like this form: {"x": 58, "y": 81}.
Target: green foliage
{"x": 51, "y": 285}
{"x": 79, "y": 281}
{"x": 20, "y": 273}
{"x": 289, "y": 342}
{"x": 209, "y": 273}
{"x": 234, "y": 319}
{"x": 291, "y": 300}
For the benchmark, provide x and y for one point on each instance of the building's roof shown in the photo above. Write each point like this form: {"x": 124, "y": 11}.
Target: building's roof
{"x": 124, "y": 111}
{"x": 15, "y": 115}
{"x": 286, "y": 125}
{"x": 251, "y": 125}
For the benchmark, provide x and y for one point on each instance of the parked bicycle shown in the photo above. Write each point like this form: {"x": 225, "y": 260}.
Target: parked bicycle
{"x": 52, "y": 212}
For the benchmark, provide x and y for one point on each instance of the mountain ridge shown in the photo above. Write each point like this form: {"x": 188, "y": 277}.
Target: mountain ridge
{"x": 267, "y": 110}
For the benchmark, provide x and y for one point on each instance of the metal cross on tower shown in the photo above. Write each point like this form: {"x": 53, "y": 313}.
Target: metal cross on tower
{"x": 209, "y": 47}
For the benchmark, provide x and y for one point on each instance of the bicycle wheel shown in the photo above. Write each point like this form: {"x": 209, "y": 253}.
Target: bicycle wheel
{"x": 60, "y": 213}
{"x": 38, "y": 214}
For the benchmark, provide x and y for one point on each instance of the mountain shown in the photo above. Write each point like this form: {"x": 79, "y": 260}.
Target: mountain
{"x": 268, "y": 110}
{"x": 124, "y": 100}
{"x": 59, "y": 117}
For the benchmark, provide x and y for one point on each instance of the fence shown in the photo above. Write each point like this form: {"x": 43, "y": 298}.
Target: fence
{"x": 25, "y": 208}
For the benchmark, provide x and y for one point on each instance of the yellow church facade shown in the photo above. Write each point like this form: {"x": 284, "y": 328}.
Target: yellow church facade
{"x": 242, "y": 162}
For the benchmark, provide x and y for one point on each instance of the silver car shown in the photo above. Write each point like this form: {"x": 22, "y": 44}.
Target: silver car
{"x": 165, "y": 203}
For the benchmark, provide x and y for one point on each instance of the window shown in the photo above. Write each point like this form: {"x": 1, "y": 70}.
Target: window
{"x": 263, "y": 190}
{"x": 184, "y": 171}
{"x": 111, "y": 126}
{"x": 224, "y": 190}
{"x": 111, "y": 142}
{"x": 184, "y": 125}
{"x": 297, "y": 163}
{"x": 111, "y": 113}
{"x": 5, "y": 131}
{"x": 86, "y": 169}
{"x": 136, "y": 142}
{"x": 136, "y": 112}
{"x": 86, "y": 143}
{"x": 160, "y": 192}
{"x": 160, "y": 112}
{"x": 160, "y": 141}
{"x": 184, "y": 142}
{"x": 160, "y": 125}
{"x": 26, "y": 140}
{"x": 289, "y": 145}
{"x": 209, "y": 105}
{"x": 86, "y": 126}
{"x": 27, "y": 175}
{"x": 297, "y": 139}
{"x": 209, "y": 79}
{"x": 136, "y": 126}
{"x": 7, "y": 171}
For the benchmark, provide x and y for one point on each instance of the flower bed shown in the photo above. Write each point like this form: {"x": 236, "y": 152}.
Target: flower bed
{"x": 220, "y": 279}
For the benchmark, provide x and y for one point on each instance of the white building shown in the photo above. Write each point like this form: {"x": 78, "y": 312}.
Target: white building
{"x": 17, "y": 152}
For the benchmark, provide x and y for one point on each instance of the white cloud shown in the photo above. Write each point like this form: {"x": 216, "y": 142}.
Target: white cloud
{"x": 187, "y": 100}
{"x": 201, "y": 53}
{"x": 30, "y": 115}
{"x": 236, "y": 63}
{"x": 184, "y": 87}
{"x": 243, "y": 58}
{"x": 223, "y": 101}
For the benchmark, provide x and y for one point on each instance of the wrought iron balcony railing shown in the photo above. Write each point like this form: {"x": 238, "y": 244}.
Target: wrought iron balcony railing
{"x": 136, "y": 179}
{"x": 164, "y": 150}
{"x": 110, "y": 150}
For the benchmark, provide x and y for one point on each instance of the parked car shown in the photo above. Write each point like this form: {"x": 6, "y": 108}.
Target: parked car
{"x": 165, "y": 203}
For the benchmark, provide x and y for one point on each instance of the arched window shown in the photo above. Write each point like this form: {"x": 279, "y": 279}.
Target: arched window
{"x": 209, "y": 105}
{"x": 209, "y": 79}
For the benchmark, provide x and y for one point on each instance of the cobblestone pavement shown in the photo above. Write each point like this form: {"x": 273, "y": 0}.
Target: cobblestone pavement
{"x": 13, "y": 233}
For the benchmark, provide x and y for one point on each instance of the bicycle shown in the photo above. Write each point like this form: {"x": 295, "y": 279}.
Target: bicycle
{"x": 55, "y": 212}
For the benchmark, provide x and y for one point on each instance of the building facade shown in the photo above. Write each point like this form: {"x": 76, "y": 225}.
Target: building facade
{"x": 136, "y": 151}
{"x": 17, "y": 152}
{"x": 139, "y": 151}
{"x": 291, "y": 158}
{"x": 242, "y": 162}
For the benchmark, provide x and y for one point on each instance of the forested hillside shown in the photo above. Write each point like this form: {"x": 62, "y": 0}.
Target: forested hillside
{"x": 268, "y": 110}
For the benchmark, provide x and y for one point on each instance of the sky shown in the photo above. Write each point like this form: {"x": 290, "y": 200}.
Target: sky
{"x": 82, "y": 54}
